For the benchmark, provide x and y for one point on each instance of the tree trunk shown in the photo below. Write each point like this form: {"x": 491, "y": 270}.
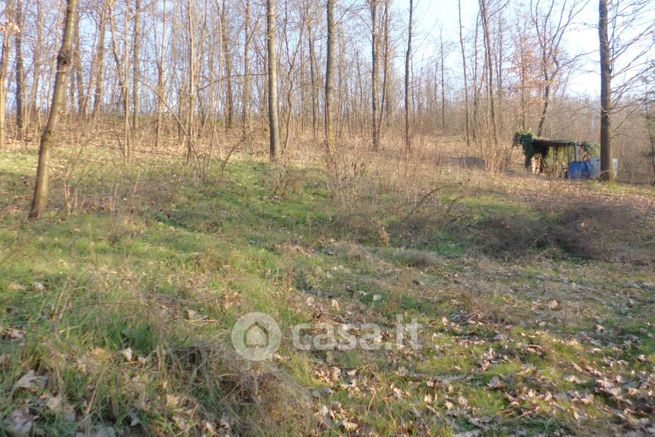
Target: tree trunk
{"x": 77, "y": 65}
{"x": 374, "y": 75}
{"x": 544, "y": 109}
{"x": 126, "y": 91}
{"x": 228, "y": 68}
{"x": 606, "y": 169}
{"x": 135, "y": 66}
{"x": 466, "y": 87}
{"x": 245, "y": 115}
{"x": 314, "y": 81}
{"x": 59, "y": 93}
{"x": 490, "y": 69}
{"x": 190, "y": 134}
{"x": 100, "y": 61}
{"x": 329, "y": 79}
{"x": 161, "y": 78}
{"x": 443, "y": 82}
{"x": 385, "y": 107}
{"x": 20, "y": 74}
{"x": 4, "y": 66}
{"x": 274, "y": 129}
{"x": 408, "y": 59}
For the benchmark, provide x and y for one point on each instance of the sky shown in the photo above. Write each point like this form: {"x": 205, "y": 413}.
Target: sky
{"x": 581, "y": 38}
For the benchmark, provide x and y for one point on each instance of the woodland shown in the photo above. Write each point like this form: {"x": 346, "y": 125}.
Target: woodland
{"x": 169, "y": 166}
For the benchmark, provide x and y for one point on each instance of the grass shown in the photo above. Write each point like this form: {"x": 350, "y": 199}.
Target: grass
{"x": 125, "y": 303}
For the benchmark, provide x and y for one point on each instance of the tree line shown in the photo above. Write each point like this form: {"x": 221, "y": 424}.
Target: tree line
{"x": 329, "y": 70}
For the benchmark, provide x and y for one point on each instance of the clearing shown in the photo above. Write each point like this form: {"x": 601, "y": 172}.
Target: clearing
{"x": 536, "y": 299}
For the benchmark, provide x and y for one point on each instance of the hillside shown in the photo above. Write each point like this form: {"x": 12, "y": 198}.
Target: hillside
{"x": 535, "y": 297}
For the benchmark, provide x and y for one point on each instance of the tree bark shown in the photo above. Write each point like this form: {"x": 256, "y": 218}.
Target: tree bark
{"x": 245, "y": 115}
{"x": 20, "y": 74}
{"x": 161, "y": 78}
{"x": 4, "y": 66}
{"x": 228, "y": 68}
{"x": 408, "y": 59}
{"x": 78, "y": 79}
{"x": 466, "y": 87}
{"x": 385, "y": 107}
{"x": 135, "y": 65}
{"x": 329, "y": 79}
{"x": 605, "y": 93}
{"x": 100, "y": 61}
{"x": 314, "y": 82}
{"x": 443, "y": 82}
{"x": 274, "y": 127}
{"x": 374, "y": 75}
{"x": 190, "y": 132}
{"x": 490, "y": 68}
{"x": 64, "y": 59}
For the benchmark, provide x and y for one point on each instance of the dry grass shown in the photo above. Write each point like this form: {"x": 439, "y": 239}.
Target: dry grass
{"x": 509, "y": 273}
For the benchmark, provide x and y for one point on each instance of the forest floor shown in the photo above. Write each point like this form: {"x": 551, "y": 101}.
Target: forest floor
{"x": 536, "y": 299}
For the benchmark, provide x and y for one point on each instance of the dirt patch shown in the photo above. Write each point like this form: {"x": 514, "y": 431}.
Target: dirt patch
{"x": 586, "y": 230}
{"x": 606, "y": 233}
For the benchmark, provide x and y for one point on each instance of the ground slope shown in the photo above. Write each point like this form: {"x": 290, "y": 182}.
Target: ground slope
{"x": 536, "y": 300}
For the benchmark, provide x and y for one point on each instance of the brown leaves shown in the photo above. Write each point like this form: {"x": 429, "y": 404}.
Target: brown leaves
{"x": 19, "y": 423}
{"x": 496, "y": 383}
{"x": 13, "y": 334}
{"x": 30, "y": 382}
{"x": 57, "y": 405}
{"x": 609, "y": 388}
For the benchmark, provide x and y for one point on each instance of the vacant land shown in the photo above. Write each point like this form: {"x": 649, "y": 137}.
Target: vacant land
{"x": 536, "y": 298}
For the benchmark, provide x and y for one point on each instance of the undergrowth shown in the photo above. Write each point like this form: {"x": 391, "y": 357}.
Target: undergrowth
{"x": 117, "y": 307}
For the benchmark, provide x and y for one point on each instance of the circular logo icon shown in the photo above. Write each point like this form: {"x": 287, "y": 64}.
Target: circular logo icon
{"x": 256, "y": 336}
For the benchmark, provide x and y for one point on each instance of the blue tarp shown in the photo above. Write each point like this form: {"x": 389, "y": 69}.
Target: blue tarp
{"x": 589, "y": 169}
{"x": 580, "y": 170}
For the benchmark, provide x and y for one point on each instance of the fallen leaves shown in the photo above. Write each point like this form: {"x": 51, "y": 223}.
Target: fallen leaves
{"x": 19, "y": 423}
{"x": 128, "y": 354}
{"x": 30, "y": 382}
{"x": 496, "y": 383}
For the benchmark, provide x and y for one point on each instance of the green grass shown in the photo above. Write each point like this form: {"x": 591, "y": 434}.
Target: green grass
{"x": 166, "y": 266}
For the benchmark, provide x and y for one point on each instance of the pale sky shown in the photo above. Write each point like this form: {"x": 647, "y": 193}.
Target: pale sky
{"x": 581, "y": 37}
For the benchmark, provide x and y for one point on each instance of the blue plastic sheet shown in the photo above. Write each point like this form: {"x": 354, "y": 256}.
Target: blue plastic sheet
{"x": 580, "y": 170}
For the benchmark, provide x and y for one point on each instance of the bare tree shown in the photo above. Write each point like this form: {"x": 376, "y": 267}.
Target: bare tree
{"x": 99, "y": 60}
{"x": 329, "y": 79}
{"x": 373, "y": 8}
{"x": 442, "y": 65}
{"x": 466, "y": 86}
{"x": 274, "y": 129}
{"x": 77, "y": 79}
{"x": 64, "y": 59}
{"x": 313, "y": 73}
{"x": 408, "y": 60}
{"x": 385, "y": 106}
{"x": 136, "y": 51}
{"x": 649, "y": 103}
{"x": 161, "y": 76}
{"x": 4, "y": 67}
{"x": 189, "y": 133}
{"x": 484, "y": 14}
{"x": 550, "y": 22}
{"x": 625, "y": 37}
{"x": 227, "y": 54}
{"x": 245, "y": 114}
{"x": 20, "y": 73}
{"x": 605, "y": 92}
